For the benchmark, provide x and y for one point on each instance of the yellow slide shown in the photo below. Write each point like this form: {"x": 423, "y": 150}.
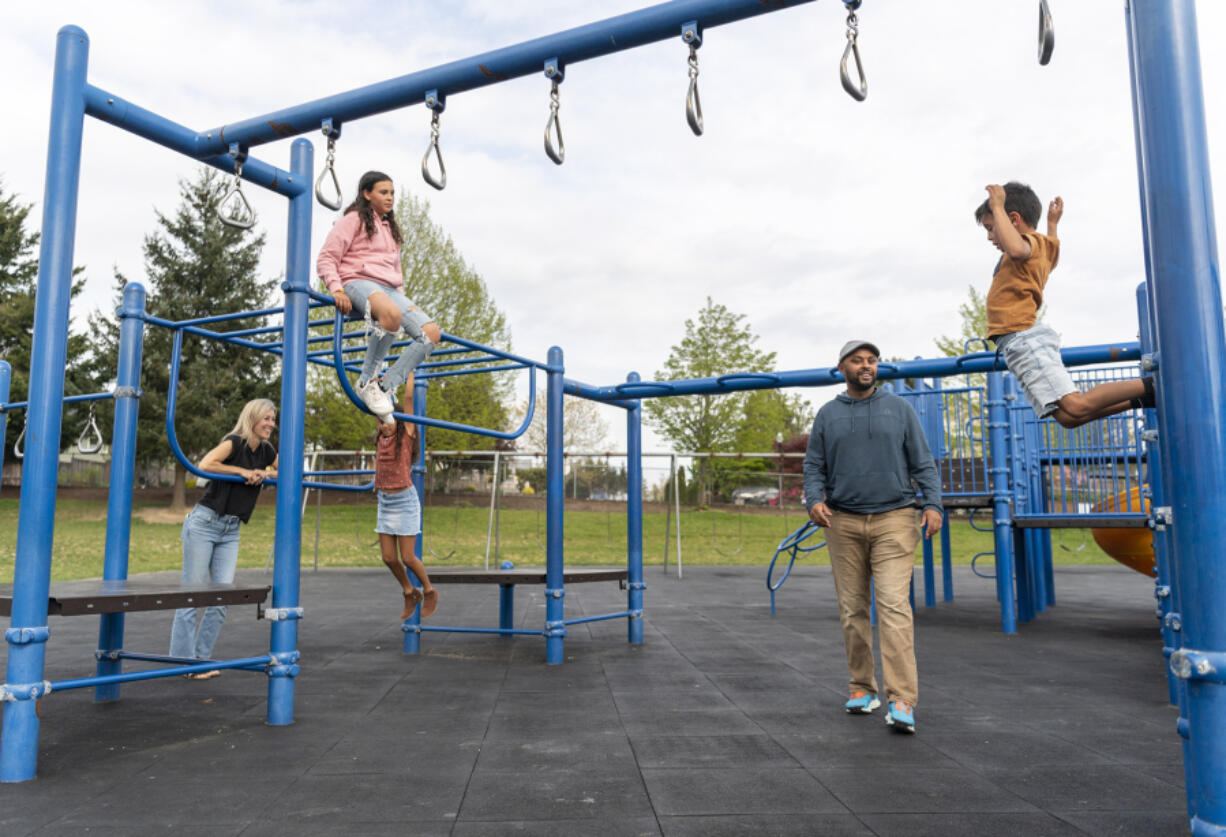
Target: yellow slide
{"x": 1134, "y": 548}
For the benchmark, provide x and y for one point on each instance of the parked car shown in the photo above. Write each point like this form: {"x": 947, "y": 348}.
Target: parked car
{"x": 755, "y": 495}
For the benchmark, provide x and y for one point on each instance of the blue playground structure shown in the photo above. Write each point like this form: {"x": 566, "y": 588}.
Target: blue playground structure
{"x": 1182, "y": 344}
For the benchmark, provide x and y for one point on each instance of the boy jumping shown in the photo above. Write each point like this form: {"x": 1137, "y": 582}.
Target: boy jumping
{"x": 1032, "y": 350}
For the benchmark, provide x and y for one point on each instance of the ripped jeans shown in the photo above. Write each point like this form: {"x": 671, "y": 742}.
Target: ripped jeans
{"x": 380, "y": 341}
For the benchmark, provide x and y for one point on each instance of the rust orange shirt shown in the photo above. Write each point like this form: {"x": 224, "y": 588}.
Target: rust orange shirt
{"x": 1017, "y": 288}
{"x": 394, "y": 457}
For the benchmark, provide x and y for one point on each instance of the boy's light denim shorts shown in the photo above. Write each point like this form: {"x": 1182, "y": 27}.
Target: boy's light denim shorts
{"x": 399, "y": 513}
{"x": 359, "y": 291}
{"x": 1033, "y": 356}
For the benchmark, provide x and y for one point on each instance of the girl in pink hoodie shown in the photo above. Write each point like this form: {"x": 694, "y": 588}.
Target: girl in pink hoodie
{"x": 360, "y": 265}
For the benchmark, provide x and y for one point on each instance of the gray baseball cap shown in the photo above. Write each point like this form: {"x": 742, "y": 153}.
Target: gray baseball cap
{"x": 851, "y": 345}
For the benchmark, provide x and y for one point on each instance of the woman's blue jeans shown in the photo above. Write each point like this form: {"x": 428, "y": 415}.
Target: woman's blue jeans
{"x": 210, "y": 555}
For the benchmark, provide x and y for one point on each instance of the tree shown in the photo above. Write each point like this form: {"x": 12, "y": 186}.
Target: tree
{"x": 583, "y": 428}
{"x": 717, "y": 343}
{"x": 18, "y": 282}
{"x": 196, "y": 266}
{"x": 974, "y": 314}
{"x": 439, "y": 280}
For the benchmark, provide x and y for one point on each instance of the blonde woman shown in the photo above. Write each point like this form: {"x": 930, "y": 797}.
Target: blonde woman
{"x": 210, "y": 531}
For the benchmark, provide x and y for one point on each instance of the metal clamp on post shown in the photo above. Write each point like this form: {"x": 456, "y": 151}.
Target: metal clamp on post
{"x": 636, "y": 585}
{"x": 554, "y": 592}
{"x": 332, "y": 131}
{"x": 1149, "y": 362}
{"x": 636, "y": 614}
{"x": 1209, "y": 666}
{"x": 85, "y": 444}
{"x": 280, "y": 614}
{"x": 852, "y": 50}
{"x": 692, "y": 35}
{"x": 240, "y": 214}
{"x": 13, "y": 692}
{"x": 106, "y": 655}
{"x": 554, "y": 72}
{"x": 1173, "y": 621}
{"x": 283, "y": 664}
{"x": 128, "y": 392}
{"x": 555, "y": 629}
{"x": 25, "y": 636}
{"x": 1149, "y": 436}
{"x": 1162, "y": 518}
{"x": 437, "y": 104}
{"x": 1162, "y": 591}
{"x": 410, "y": 628}
{"x": 1047, "y": 34}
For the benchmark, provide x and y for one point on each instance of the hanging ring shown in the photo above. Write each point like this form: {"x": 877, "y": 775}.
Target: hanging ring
{"x": 84, "y": 445}
{"x": 557, "y": 153}
{"x": 18, "y": 451}
{"x": 240, "y": 215}
{"x": 435, "y": 102}
{"x": 691, "y": 35}
{"x": 332, "y": 133}
{"x": 859, "y": 93}
{"x": 1047, "y": 34}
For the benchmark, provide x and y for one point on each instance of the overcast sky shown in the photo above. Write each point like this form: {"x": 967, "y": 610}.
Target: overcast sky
{"x": 817, "y": 217}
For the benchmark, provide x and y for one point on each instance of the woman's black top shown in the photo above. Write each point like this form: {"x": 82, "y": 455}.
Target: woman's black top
{"x": 238, "y": 498}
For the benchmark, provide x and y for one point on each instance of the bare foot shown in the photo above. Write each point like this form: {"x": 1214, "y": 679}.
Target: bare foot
{"x": 429, "y": 603}
{"x": 411, "y": 600}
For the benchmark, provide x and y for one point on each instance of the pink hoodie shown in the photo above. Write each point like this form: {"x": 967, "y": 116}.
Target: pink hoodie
{"x": 349, "y": 254}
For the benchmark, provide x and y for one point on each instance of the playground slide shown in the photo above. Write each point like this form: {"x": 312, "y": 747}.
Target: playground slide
{"x": 1134, "y": 548}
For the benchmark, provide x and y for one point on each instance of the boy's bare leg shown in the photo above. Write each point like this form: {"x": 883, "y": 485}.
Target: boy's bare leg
{"x": 387, "y": 548}
{"x": 1077, "y": 408}
{"x": 408, "y": 556}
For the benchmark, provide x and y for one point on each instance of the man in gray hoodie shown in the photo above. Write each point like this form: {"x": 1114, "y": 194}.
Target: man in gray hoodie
{"x": 866, "y": 450}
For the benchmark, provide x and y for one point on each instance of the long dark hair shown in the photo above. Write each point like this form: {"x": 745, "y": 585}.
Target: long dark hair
{"x": 362, "y": 206}
{"x": 401, "y": 429}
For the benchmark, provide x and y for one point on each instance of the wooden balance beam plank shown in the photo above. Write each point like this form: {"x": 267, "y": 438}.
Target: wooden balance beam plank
{"x": 76, "y": 598}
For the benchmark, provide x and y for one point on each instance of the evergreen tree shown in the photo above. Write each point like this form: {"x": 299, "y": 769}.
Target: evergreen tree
{"x": 18, "y": 280}
{"x": 196, "y": 266}
{"x": 438, "y": 280}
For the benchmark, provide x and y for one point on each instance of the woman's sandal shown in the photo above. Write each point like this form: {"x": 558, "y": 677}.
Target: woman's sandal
{"x": 411, "y": 600}
{"x": 429, "y": 603}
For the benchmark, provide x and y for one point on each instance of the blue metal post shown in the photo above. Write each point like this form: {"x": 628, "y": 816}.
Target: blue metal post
{"x": 634, "y": 517}
{"x": 1164, "y": 588}
{"x": 1191, "y": 352}
{"x": 555, "y": 497}
{"x": 930, "y": 583}
{"x": 288, "y": 545}
{"x": 412, "y": 625}
{"x": 123, "y": 465}
{"x": 1002, "y": 524}
{"x": 6, "y": 376}
{"x": 947, "y": 564}
{"x": 27, "y": 634}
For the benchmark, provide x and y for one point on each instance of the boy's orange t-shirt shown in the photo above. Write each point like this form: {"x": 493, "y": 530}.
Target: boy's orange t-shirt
{"x": 1017, "y": 288}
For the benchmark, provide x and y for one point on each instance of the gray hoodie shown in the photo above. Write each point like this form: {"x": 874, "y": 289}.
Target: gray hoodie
{"x": 863, "y": 454}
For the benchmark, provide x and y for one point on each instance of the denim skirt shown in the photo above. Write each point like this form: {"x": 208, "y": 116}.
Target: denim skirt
{"x": 399, "y": 513}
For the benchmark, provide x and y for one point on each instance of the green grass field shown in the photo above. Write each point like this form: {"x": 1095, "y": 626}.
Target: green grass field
{"x": 456, "y": 536}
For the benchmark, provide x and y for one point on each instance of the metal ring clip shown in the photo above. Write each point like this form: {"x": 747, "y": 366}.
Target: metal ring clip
{"x": 240, "y": 215}
{"x": 1047, "y": 34}
{"x": 332, "y": 133}
{"x": 557, "y": 153}
{"x": 84, "y": 445}
{"x": 693, "y": 104}
{"x": 436, "y": 104}
{"x": 859, "y": 93}
{"x": 18, "y": 451}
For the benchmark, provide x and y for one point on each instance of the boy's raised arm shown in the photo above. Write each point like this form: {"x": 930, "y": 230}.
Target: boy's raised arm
{"x": 1011, "y": 241}
{"x": 1055, "y": 211}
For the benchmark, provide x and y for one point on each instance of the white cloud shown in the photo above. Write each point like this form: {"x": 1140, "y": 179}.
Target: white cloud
{"x": 813, "y": 215}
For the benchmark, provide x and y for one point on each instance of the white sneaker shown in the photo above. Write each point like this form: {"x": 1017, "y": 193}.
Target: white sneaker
{"x": 377, "y": 400}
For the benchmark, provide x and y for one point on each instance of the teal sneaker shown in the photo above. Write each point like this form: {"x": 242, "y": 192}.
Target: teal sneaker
{"x": 901, "y": 716}
{"x": 861, "y": 703}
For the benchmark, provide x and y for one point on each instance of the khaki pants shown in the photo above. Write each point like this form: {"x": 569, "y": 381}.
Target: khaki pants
{"x": 880, "y": 548}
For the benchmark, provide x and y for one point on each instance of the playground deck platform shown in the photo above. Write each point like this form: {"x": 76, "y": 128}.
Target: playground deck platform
{"x": 726, "y": 721}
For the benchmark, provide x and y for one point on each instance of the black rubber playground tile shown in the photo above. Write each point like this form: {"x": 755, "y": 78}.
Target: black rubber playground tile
{"x": 727, "y": 721}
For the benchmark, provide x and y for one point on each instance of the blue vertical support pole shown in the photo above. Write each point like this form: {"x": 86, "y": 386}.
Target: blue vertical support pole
{"x": 947, "y": 563}
{"x": 634, "y": 517}
{"x": 287, "y": 552}
{"x": 930, "y": 581}
{"x": 27, "y": 632}
{"x": 1191, "y": 362}
{"x": 123, "y": 466}
{"x": 1154, "y": 485}
{"x": 1002, "y": 523}
{"x": 412, "y": 625}
{"x": 6, "y": 377}
{"x": 555, "y": 496}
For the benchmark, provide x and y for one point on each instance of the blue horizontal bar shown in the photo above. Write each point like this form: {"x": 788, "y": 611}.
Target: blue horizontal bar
{"x": 656, "y": 23}
{"x": 253, "y": 663}
{"x": 68, "y": 399}
{"x": 602, "y": 618}
{"x": 931, "y": 368}
{"x": 516, "y": 631}
{"x": 110, "y": 108}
